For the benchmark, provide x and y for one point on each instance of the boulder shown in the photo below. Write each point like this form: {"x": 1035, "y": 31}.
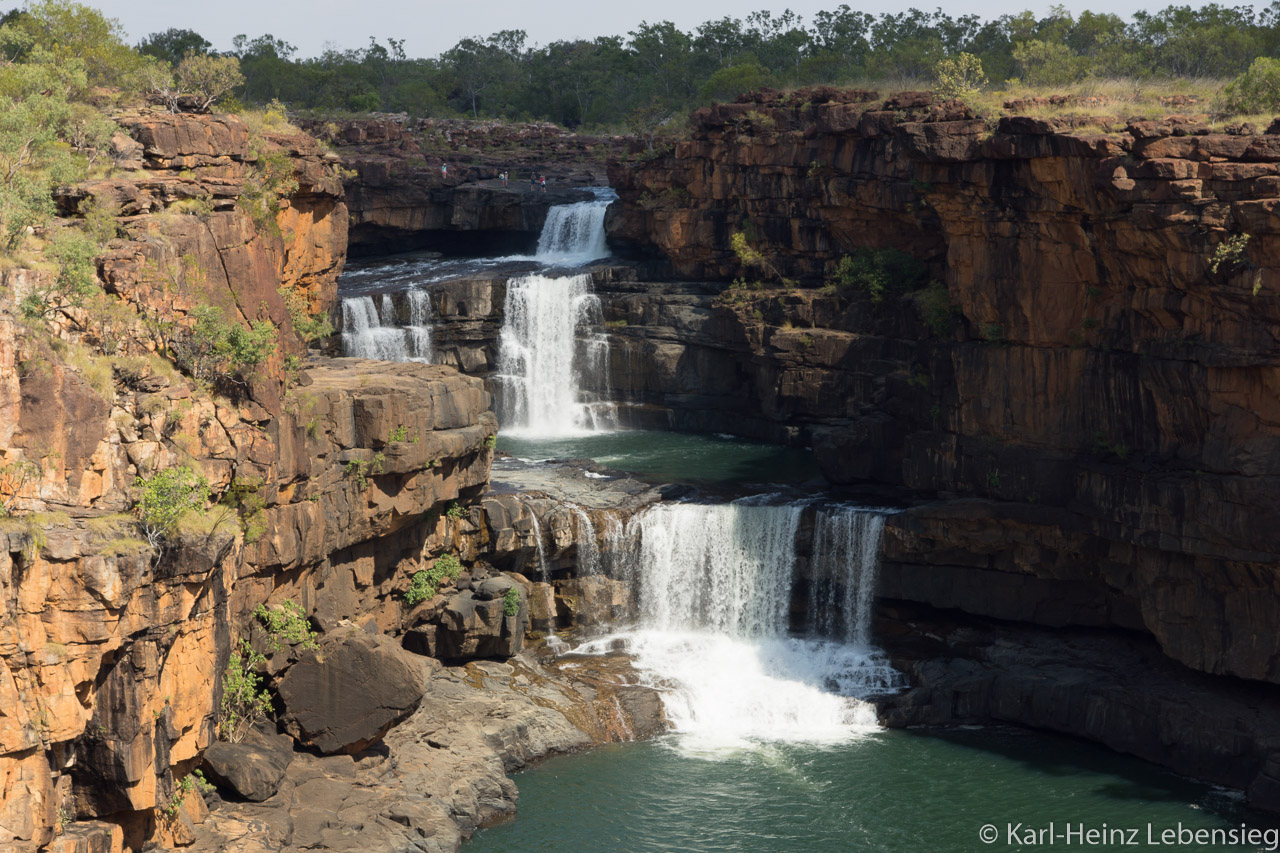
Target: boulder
{"x": 345, "y": 696}
{"x": 251, "y": 771}
{"x": 475, "y": 624}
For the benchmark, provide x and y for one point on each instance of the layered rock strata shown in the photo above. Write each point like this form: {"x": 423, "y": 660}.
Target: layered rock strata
{"x": 333, "y": 479}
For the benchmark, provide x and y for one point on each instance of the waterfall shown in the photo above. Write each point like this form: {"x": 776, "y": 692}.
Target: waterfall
{"x": 573, "y": 234}
{"x": 617, "y": 545}
{"x": 542, "y": 550}
{"x": 550, "y": 347}
{"x": 724, "y": 568}
{"x": 846, "y": 552}
{"x": 585, "y": 538}
{"x": 715, "y": 594}
{"x": 372, "y": 330}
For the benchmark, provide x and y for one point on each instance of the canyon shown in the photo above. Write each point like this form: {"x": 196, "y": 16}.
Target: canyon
{"x": 1071, "y": 433}
{"x": 1086, "y": 429}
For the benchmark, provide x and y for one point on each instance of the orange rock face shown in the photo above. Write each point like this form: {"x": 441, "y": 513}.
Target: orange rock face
{"x": 111, "y": 660}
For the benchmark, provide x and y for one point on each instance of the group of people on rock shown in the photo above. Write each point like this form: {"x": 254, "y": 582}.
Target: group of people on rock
{"x": 536, "y": 181}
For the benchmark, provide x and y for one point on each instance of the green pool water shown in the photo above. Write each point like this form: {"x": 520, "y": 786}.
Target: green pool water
{"x": 899, "y": 791}
{"x": 674, "y": 457}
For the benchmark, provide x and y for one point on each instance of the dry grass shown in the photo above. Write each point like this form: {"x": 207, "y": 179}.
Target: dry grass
{"x": 1115, "y": 98}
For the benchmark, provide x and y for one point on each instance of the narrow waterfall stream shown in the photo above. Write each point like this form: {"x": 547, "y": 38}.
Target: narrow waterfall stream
{"x": 715, "y": 592}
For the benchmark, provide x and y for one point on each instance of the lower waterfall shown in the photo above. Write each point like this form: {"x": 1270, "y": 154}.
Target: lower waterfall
{"x": 715, "y": 587}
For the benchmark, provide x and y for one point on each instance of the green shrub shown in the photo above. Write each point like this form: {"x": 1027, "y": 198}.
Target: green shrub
{"x": 879, "y": 272}
{"x": 934, "y": 305}
{"x": 15, "y": 475}
{"x": 244, "y": 698}
{"x": 455, "y": 510}
{"x": 1257, "y": 90}
{"x": 245, "y": 496}
{"x": 959, "y": 77}
{"x": 361, "y": 469}
{"x": 1046, "y": 63}
{"x": 1230, "y": 252}
{"x": 75, "y": 280}
{"x": 749, "y": 257}
{"x": 214, "y": 348}
{"x": 271, "y": 179}
{"x": 424, "y": 584}
{"x": 286, "y": 623}
{"x": 511, "y": 601}
{"x": 310, "y": 327}
{"x": 194, "y": 781}
{"x": 165, "y": 497}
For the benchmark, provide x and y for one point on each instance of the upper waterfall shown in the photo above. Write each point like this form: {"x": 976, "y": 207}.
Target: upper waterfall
{"x": 573, "y": 234}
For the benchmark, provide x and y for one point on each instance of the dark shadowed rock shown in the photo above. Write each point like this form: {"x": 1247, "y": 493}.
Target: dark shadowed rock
{"x": 252, "y": 771}
{"x": 346, "y": 696}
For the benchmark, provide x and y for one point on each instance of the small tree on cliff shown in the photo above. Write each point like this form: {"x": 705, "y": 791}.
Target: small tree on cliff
{"x": 164, "y": 498}
{"x": 199, "y": 81}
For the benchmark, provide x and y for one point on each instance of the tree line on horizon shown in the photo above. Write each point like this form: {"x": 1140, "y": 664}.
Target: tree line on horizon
{"x": 601, "y": 81}
{"x": 660, "y": 69}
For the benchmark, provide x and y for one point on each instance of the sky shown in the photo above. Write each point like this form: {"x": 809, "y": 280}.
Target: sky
{"x": 429, "y": 27}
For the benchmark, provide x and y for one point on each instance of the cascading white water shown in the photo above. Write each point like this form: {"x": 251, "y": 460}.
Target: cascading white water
{"x": 370, "y": 330}
{"x": 715, "y": 591}
{"x": 542, "y": 550}
{"x": 585, "y": 539}
{"x": 724, "y": 568}
{"x": 550, "y": 347}
{"x": 846, "y": 552}
{"x": 573, "y": 234}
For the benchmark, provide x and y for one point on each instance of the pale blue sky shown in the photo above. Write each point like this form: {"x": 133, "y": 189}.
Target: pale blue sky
{"x": 430, "y": 26}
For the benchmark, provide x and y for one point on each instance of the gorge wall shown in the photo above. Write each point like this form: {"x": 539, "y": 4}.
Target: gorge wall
{"x": 1094, "y": 395}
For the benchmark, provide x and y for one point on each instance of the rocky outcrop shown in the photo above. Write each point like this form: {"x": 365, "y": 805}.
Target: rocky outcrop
{"x": 345, "y": 695}
{"x": 250, "y": 771}
{"x": 1115, "y": 689}
{"x": 443, "y": 772}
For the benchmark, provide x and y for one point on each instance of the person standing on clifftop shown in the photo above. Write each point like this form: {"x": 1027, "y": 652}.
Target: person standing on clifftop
{"x": 533, "y": 181}
{"x": 543, "y": 182}
{"x": 504, "y": 178}
{"x": 444, "y": 171}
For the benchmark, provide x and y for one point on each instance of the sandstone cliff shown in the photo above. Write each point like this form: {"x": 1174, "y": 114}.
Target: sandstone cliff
{"x": 111, "y": 656}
